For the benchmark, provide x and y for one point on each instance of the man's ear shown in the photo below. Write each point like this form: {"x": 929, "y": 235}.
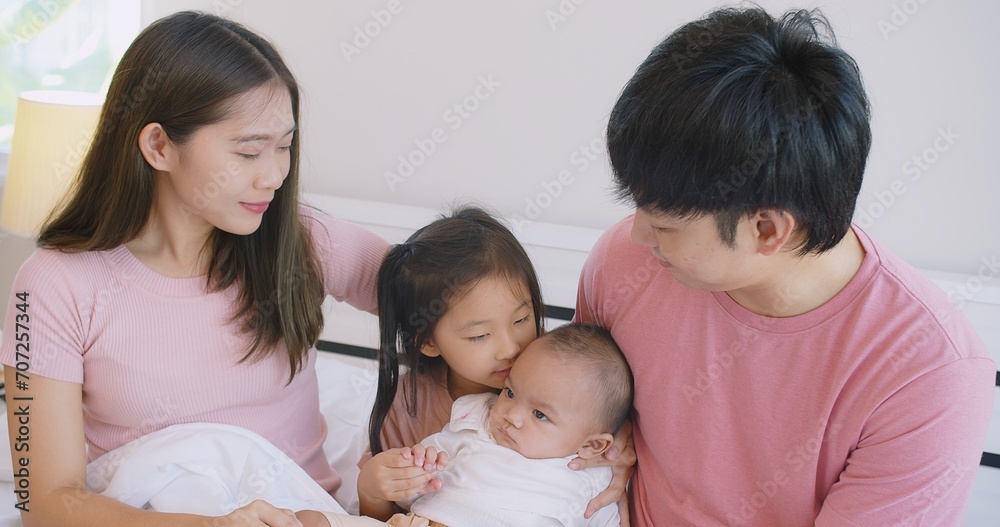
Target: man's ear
{"x": 430, "y": 349}
{"x": 596, "y": 445}
{"x": 156, "y": 147}
{"x": 772, "y": 230}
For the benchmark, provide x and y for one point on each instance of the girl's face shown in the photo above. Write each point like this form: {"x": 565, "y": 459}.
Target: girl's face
{"x": 226, "y": 174}
{"x": 483, "y": 330}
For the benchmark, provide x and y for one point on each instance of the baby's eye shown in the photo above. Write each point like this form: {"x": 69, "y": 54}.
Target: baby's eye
{"x": 509, "y": 393}
{"x": 539, "y": 415}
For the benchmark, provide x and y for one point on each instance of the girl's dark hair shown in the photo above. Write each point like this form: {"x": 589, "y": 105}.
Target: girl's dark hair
{"x": 740, "y": 112}
{"x": 185, "y": 71}
{"x": 417, "y": 281}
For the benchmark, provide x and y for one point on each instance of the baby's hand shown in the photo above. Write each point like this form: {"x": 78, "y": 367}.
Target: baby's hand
{"x": 427, "y": 457}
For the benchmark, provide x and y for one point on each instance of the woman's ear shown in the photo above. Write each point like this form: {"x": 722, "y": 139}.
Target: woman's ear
{"x": 596, "y": 445}
{"x": 772, "y": 230}
{"x": 160, "y": 153}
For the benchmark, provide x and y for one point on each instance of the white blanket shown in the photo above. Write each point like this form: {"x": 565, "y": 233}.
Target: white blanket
{"x": 346, "y": 391}
{"x": 204, "y": 468}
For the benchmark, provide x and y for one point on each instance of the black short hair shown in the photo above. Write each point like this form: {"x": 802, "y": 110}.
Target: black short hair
{"x": 740, "y": 112}
{"x": 607, "y": 370}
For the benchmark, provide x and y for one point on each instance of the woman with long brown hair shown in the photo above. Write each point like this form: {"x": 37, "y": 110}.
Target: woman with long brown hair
{"x": 182, "y": 281}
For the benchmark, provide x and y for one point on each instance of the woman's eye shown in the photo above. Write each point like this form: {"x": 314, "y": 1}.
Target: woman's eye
{"x": 539, "y": 415}
{"x": 248, "y": 156}
{"x": 510, "y": 394}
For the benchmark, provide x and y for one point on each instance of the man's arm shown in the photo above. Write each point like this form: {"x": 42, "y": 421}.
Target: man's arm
{"x": 917, "y": 458}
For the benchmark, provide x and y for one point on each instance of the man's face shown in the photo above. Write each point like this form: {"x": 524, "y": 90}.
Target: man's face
{"x": 693, "y": 251}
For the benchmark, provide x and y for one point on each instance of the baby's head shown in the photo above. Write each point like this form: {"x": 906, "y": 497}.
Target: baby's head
{"x": 568, "y": 393}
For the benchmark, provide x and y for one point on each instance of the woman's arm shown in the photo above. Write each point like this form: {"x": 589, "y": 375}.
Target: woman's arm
{"x": 45, "y": 420}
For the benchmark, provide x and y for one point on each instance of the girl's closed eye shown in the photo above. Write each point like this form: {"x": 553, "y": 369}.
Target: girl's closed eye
{"x": 479, "y": 338}
{"x": 522, "y": 320}
{"x": 248, "y": 156}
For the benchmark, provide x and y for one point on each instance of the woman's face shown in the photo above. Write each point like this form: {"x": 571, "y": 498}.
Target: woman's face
{"x": 226, "y": 173}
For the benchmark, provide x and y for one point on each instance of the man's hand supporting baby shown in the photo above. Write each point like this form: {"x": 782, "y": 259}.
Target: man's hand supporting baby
{"x": 621, "y": 458}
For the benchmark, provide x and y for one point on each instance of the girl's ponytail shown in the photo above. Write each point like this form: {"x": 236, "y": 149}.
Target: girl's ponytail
{"x": 391, "y": 336}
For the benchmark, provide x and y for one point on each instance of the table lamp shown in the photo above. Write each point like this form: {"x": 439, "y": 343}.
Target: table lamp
{"x": 52, "y": 132}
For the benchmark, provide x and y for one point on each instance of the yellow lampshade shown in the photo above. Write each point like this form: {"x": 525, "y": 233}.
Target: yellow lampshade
{"x": 52, "y": 132}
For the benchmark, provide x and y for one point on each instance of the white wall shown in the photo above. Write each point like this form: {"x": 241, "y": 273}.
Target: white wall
{"x": 932, "y": 69}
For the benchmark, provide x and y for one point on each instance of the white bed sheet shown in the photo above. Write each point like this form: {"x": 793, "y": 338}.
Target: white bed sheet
{"x": 347, "y": 392}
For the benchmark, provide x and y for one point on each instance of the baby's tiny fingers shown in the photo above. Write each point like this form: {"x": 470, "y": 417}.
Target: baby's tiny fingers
{"x": 418, "y": 455}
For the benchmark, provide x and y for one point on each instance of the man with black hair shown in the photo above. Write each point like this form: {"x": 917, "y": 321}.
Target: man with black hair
{"x": 789, "y": 370}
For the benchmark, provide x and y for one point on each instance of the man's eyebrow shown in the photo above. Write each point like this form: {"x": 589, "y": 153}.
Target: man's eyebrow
{"x": 261, "y": 137}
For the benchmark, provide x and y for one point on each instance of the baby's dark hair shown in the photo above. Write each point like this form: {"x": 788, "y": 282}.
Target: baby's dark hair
{"x": 607, "y": 370}
{"x": 417, "y": 281}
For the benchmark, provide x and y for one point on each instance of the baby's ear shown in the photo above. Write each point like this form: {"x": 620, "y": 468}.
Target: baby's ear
{"x": 596, "y": 445}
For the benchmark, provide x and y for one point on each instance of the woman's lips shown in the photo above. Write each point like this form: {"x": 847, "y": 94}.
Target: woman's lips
{"x": 256, "y": 208}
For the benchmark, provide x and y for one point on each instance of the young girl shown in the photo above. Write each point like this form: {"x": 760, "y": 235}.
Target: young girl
{"x": 183, "y": 281}
{"x": 457, "y": 302}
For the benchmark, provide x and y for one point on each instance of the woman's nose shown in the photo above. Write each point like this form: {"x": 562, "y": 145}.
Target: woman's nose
{"x": 272, "y": 176}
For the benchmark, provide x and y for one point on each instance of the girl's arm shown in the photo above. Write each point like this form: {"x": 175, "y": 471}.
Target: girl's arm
{"x": 45, "y": 421}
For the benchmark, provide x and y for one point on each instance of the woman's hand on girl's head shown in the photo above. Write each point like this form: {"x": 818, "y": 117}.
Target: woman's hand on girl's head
{"x": 621, "y": 458}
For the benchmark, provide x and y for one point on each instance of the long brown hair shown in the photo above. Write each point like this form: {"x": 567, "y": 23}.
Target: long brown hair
{"x": 184, "y": 71}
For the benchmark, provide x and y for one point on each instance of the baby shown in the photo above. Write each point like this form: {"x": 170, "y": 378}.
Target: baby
{"x": 567, "y": 394}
